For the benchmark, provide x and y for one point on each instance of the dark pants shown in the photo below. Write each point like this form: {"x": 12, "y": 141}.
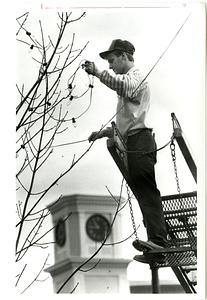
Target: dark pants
{"x": 141, "y": 168}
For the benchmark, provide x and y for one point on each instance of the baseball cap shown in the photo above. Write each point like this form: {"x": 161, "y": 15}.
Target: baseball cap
{"x": 119, "y": 44}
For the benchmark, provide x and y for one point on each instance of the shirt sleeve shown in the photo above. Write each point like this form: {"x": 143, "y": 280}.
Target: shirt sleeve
{"x": 126, "y": 85}
{"x": 108, "y": 132}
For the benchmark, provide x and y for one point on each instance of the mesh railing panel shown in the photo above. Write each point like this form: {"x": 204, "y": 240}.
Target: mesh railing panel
{"x": 180, "y": 212}
{"x": 174, "y": 259}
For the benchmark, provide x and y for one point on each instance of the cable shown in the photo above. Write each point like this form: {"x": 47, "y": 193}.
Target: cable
{"x": 143, "y": 152}
{"x": 161, "y": 56}
{"x": 66, "y": 144}
{"x": 70, "y": 88}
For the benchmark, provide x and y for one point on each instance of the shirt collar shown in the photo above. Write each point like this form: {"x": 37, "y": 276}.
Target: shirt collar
{"x": 132, "y": 69}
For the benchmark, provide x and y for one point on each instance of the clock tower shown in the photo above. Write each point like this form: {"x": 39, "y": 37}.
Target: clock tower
{"x": 81, "y": 224}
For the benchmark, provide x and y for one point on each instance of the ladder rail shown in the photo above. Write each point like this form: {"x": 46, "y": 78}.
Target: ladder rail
{"x": 184, "y": 147}
{"x": 111, "y": 145}
{"x": 184, "y": 280}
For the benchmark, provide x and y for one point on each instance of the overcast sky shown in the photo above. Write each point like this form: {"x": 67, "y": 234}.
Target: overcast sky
{"x": 176, "y": 86}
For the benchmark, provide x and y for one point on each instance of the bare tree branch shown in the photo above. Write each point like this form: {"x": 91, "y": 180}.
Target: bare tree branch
{"x": 42, "y": 115}
{"x": 37, "y": 276}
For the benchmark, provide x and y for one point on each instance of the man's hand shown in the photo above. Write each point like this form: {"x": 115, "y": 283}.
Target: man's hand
{"x": 95, "y": 135}
{"x": 108, "y": 132}
{"x": 91, "y": 68}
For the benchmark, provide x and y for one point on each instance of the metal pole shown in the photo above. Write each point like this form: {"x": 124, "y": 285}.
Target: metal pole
{"x": 155, "y": 281}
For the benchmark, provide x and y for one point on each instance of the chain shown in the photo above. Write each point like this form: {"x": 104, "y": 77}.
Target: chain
{"x": 184, "y": 218}
{"x": 172, "y": 147}
{"x": 131, "y": 211}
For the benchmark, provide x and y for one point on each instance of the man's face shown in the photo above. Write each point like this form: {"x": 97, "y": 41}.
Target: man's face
{"x": 116, "y": 63}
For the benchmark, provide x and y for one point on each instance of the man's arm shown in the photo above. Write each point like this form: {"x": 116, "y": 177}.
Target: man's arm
{"x": 126, "y": 85}
{"x": 108, "y": 132}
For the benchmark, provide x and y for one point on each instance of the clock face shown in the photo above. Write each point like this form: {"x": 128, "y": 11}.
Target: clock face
{"x": 97, "y": 227}
{"x": 60, "y": 235}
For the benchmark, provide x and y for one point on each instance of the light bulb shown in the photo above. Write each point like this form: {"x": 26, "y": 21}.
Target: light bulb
{"x": 74, "y": 122}
{"x": 31, "y": 48}
{"x": 70, "y": 100}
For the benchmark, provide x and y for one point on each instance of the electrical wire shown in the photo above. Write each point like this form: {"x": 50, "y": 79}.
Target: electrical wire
{"x": 143, "y": 152}
{"x": 70, "y": 143}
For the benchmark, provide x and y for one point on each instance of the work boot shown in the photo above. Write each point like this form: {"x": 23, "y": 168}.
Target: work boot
{"x": 141, "y": 258}
{"x": 149, "y": 245}
{"x": 159, "y": 258}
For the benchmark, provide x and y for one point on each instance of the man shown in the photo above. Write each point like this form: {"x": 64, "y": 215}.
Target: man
{"x": 132, "y": 108}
